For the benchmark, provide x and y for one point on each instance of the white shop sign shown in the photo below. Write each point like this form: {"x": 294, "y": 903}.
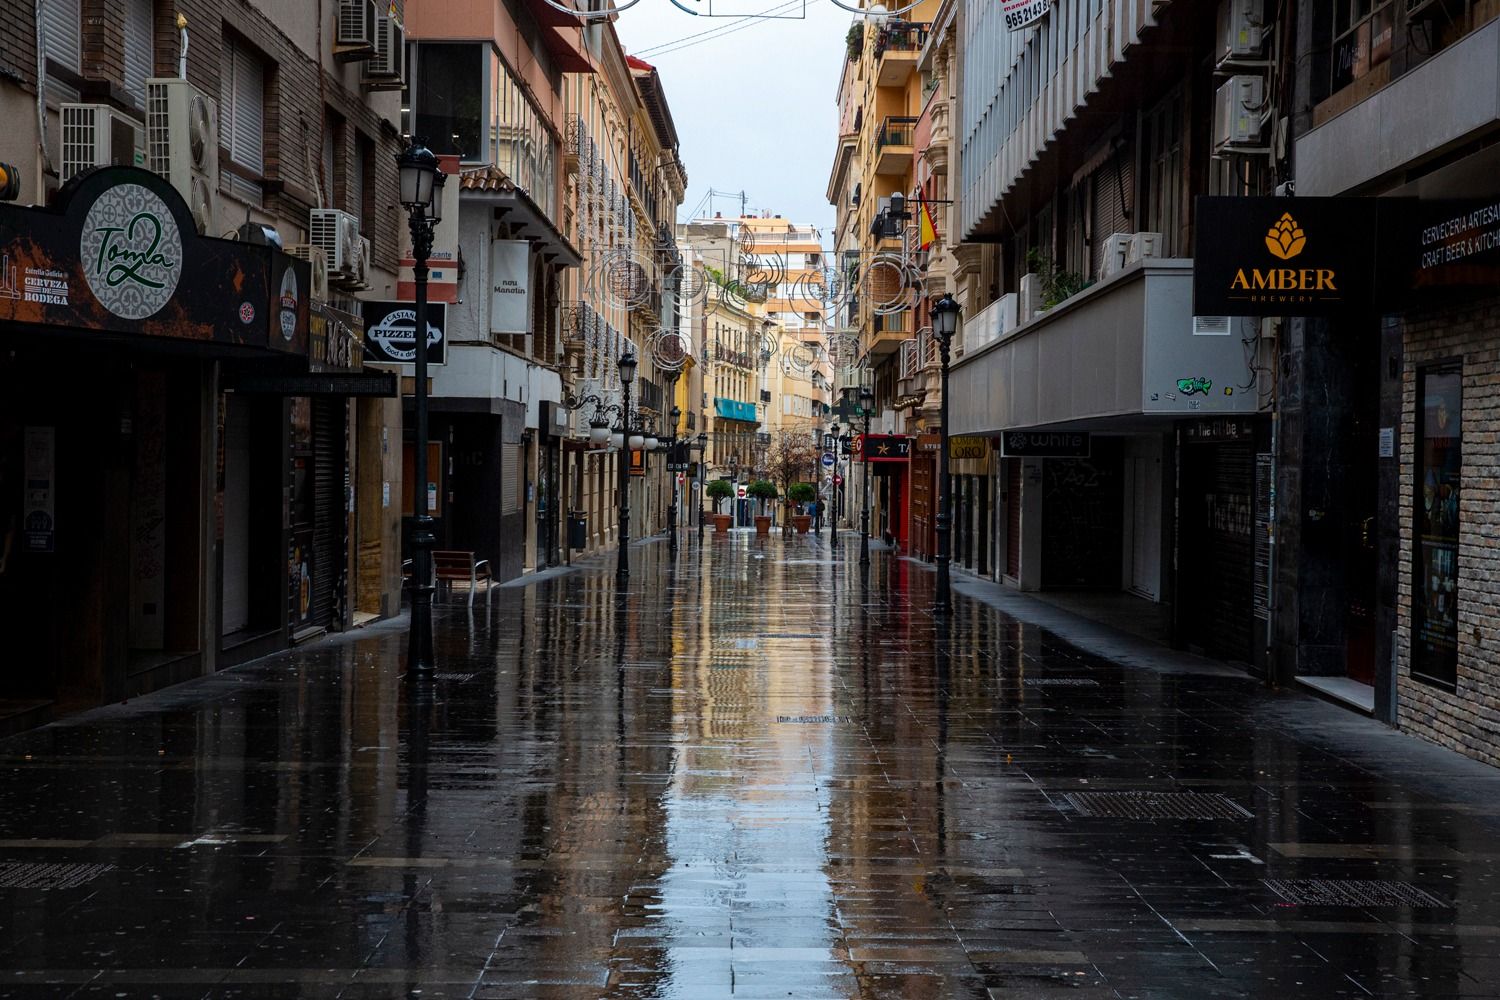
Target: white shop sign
{"x": 510, "y": 286}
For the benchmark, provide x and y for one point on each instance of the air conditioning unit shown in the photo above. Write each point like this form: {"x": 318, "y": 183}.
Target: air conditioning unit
{"x": 96, "y": 135}
{"x": 1143, "y": 246}
{"x": 336, "y": 233}
{"x": 386, "y": 69}
{"x": 1238, "y": 107}
{"x": 318, "y": 260}
{"x": 182, "y": 143}
{"x": 1116, "y": 250}
{"x": 1242, "y": 29}
{"x": 354, "y": 38}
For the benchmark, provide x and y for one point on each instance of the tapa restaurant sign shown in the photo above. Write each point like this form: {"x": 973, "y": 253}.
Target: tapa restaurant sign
{"x": 885, "y": 447}
{"x": 1284, "y": 256}
{"x": 1023, "y": 13}
{"x": 389, "y": 338}
{"x": 120, "y": 254}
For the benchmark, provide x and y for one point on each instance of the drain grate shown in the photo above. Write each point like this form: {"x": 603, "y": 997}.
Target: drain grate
{"x": 1353, "y": 892}
{"x": 1155, "y": 805}
{"x": 455, "y": 678}
{"x": 1080, "y": 682}
{"x": 48, "y": 875}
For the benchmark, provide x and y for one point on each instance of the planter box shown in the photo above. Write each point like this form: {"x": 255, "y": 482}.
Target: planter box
{"x": 722, "y": 522}
{"x": 801, "y": 522}
{"x": 762, "y": 524}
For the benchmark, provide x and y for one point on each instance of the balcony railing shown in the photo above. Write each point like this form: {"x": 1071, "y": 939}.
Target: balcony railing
{"x": 902, "y": 36}
{"x": 896, "y": 130}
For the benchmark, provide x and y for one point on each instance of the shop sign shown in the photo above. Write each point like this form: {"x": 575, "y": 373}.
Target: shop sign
{"x": 39, "y": 468}
{"x": 637, "y": 461}
{"x": 1284, "y": 256}
{"x": 389, "y": 337}
{"x": 1445, "y": 245}
{"x": 510, "y": 286}
{"x": 335, "y": 341}
{"x": 1046, "y": 444}
{"x": 968, "y": 447}
{"x": 929, "y": 442}
{"x": 886, "y": 447}
{"x": 1023, "y": 13}
{"x": 1219, "y": 431}
{"x": 118, "y": 252}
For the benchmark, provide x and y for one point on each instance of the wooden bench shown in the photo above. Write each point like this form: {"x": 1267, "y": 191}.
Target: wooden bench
{"x": 449, "y": 565}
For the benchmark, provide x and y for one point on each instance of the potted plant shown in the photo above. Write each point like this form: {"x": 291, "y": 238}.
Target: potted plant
{"x": 718, "y": 490}
{"x": 802, "y": 494}
{"x": 764, "y": 491}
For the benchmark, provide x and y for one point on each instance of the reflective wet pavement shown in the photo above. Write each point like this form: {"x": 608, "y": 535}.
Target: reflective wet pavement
{"x": 760, "y": 774}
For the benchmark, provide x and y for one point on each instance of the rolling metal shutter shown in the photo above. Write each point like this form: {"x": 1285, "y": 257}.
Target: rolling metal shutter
{"x": 139, "y": 50}
{"x": 1013, "y": 517}
{"x": 1216, "y": 567}
{"x": 328, "y": 505}
{"x": 61, "y": 26}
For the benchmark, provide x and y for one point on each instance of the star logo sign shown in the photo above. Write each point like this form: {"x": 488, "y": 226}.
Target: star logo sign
{"x": 885, "y": 449}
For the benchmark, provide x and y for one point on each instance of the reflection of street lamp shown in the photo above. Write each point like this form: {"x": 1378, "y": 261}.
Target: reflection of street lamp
{"x": 633, "y": 440}
{"x": 674, "y": 458}
{"x": 866, "y": 406}
{"x": 700, "y": 444}
{"x": 421, "y": 182}
{"x": 831, "y": 445}
{"x": 944, "y": 322}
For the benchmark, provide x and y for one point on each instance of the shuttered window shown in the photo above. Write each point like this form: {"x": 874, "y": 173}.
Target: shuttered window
{"x": 61, "y": 21}
{"x": 329, "y": 183}
{"x": 140, "y": 58}
{"x": 242, "y": 104}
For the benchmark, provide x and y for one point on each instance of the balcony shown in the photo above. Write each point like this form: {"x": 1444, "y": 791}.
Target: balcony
{"x": 897, "y": 46}
{"x": 1119, "y": 353}
{"x": 893, "y": 144}
{"x": 887, "y": 334}
{"x": 734, "y": 409}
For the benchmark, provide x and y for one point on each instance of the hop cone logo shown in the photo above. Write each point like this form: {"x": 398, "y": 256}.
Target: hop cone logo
{"x": 1286, "y": 239}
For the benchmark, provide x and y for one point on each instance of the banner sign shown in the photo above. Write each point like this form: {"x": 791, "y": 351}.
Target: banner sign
{"x": 1022, "y": 13}
{"x": 1446, "y": 245}
{"x": 886, "y": 447}
{"x": 510, "y": 298}
{"x": 389, "y": 338}
{"x": 1046, "y": 444}
{"x": 120, "y": 253}
{"x": 1284, "y": 256}
{"x": 968, "y": 447}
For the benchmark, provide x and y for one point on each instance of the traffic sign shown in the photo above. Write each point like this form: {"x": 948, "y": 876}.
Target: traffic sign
{"x": 741, "y": 492}
{"x": 838, "y": 480}
{"x": 828, "y": 459}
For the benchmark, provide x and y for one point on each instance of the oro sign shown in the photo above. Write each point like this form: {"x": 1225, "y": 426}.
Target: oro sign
{"x": 131, "y": 251}
{"x": 1021, "y": 13}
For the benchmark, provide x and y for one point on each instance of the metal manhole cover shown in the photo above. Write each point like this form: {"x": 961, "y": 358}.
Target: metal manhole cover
{"x": 455, "y": 678}
{"x": 1155, "y": 805}
{"x": 1061, "y": 682}
{"x": 1353, "y": 892}
{"x": 48, "y": 875}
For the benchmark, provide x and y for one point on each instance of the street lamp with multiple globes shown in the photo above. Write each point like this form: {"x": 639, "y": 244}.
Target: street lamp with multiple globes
{"x": 421, "y": 185}
{"x": 944, "y": 322}
{"x": 866, "y": 407}
{"x": 629, "y": 440}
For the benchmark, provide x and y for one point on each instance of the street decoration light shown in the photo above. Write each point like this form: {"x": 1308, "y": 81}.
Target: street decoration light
{"x": 945, "y": 313}
{"x": 420, "y": 181}
{"x": 866, "y": 406}
{"x": 626, "y": 365}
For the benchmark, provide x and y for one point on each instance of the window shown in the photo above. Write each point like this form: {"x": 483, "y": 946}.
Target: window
{"x": 242, "y": 116}
{"x": 331, "y": 135}
{"x": 448, "y": 97}
{"x": 60, "y": 33}
{"x": 358, "y": 201}
{"x": 1435, "y": 582}
{"x": 1163, "y": 128}
{"x": 523, "y": 147}
{"x": 1362, "y": 33}
{"x": 140, "y": 50}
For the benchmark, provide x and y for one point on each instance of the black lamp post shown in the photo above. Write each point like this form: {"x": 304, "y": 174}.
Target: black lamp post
{"x": 944, "y": 322}
{"x": 628, "y": 439}
{"x": 701, "y": 446}
{"x": 866, "y": 406}
{"x": 421, "y": 183}
{"x": 674, "y": 458}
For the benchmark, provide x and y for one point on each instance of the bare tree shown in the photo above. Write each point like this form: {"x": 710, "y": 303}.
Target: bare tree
{"x": 791, "y": 457}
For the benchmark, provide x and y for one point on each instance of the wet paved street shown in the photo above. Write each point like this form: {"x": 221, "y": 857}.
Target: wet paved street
{"x": 761, "y": 774}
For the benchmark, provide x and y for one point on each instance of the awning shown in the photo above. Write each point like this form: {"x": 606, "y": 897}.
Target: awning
{"x": 733, "y": 409}
{"x": 514, "y": 207}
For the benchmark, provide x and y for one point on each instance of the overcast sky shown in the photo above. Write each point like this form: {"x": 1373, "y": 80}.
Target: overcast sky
{"x": 752, "y": 100}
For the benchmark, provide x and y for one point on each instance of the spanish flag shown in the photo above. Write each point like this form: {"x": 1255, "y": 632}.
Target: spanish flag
{"x": 927, "y": 231}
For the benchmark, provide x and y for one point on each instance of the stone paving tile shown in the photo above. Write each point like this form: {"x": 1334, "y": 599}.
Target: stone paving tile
{"x": 760, "y": 772}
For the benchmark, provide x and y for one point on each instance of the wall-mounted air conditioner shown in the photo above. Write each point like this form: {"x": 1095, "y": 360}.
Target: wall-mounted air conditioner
{"x": 386, "y": 69}
{"x": 1143, "y": 246}
{"x": 354, "y": 37}
{"x": 1238, "y": 110}
{"x": 182, "y": 143}
{"x": 96, "y": 135}
{"x": 1211, "y": 326}
{"x": 1242, "y": 31}
{"x": 1116, "y": 250}
{"x": 318, "y": 260}
{"x": 336, "y": 233}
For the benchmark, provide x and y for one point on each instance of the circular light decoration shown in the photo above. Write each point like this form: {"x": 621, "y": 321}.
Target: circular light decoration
{"x": 597, "y": 15}
{"x": 668, "y": 350}
{"x": 876, "y": 12}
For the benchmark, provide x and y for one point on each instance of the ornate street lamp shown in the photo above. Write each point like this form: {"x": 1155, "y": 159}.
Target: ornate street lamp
{"x": 945, "y": 313}
{"x": 866, "y": 406}
{"x": 420, "y": 180}
{"x": 627, "y": 375}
